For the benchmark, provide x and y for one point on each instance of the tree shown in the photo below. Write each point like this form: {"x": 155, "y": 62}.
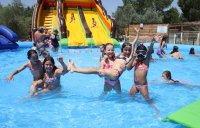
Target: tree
{"x": 171, "y": 16}
{"x": 190, "y": 9}
{"x": 17, "y": 18}
{"x": 140, "y": 11}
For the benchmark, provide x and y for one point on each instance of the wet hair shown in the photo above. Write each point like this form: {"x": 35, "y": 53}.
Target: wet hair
{"x": 52, "y": 61}
{"x": 165, "y": 38}
{"x": 55, "y": 31}
{"x": 41, "y": 29}
{"x": 31, "y": 52}
{"x": 191, "y": 51}
{"x": 108, "y": 44}
{"x": 167, "y": 74}
{"x": 175, "y": 49}
{"x": 124, "y": 45}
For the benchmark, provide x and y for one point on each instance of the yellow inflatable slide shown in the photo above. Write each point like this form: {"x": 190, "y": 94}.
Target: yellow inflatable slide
{"x": 81, "y": 23}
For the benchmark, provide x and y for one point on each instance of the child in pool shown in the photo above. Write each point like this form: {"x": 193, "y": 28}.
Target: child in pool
{"x": 141, "y": 64}
{"x": 193, "y": 52}
{"x": 52, "y": 74}
{"x": 54, "y": 41}
{"x": 35, "y": 66}
{"x": 167, "y": 76}
{"x": 110, "y": 72}
{"x": 175, "y": 53}
{"x": 105, "y": 63}
{"x": 160, "y": 52}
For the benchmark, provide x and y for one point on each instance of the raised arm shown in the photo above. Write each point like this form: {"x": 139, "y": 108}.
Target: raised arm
{"x": 133, "y": 44}
{"x": 148, "y": 58}
{"x": 64, "y": 69}
{"x": 10, "y": 77}
{"x": 131, "y": 58}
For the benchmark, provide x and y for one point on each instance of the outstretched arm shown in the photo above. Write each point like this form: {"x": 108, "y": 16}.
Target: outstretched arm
{"x": 16, "y": 72}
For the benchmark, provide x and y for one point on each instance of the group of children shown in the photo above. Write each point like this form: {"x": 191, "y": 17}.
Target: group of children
{"x": 43, "y": 39}
{"x": 46, "y": 75}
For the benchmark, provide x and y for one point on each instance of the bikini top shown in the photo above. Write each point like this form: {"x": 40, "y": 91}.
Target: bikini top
{"x": 50, "y": 80}
{"x": 143, "y": 67}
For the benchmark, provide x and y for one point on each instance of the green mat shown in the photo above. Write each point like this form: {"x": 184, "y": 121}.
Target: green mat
{"x": 188, "y": 116}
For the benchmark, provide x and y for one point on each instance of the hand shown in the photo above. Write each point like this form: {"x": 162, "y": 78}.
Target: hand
{"x": 137, "y": 30}
{"x": 60, "y": 59}
{"x": 9, "y": 78}
{"x": 157, "y": 38}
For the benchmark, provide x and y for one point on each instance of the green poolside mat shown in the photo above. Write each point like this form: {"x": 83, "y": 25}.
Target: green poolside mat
{"x": 188, "y": 116}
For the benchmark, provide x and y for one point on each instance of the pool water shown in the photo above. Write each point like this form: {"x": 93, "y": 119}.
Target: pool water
{"x": 79, "y": 103}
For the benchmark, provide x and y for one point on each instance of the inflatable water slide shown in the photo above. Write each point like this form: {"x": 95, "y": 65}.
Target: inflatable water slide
{"x": 75, "y": 21}
{"x": 8, "y": 38}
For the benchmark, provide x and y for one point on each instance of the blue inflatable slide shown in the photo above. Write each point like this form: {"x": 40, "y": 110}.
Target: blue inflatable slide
{"x": 8, "y": 38}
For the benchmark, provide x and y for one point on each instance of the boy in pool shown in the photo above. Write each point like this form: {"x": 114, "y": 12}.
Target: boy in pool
{"x": 35, "y": 66}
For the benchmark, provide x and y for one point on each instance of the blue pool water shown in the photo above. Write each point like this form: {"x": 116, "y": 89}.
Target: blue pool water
{"x": 79, "y": 103}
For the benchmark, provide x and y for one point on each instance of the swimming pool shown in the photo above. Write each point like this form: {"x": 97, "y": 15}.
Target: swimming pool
{"x": 79, "y": 103}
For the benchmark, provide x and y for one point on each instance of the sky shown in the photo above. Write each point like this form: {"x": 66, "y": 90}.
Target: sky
{"x": 109, "y": 5}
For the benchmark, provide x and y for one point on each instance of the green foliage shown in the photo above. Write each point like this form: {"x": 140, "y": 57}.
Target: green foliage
{"x": 140, "y": 11}
{"x": 190, "y": 9}
{"x": 16, "y": 17}
{"x": 172, "y": 16}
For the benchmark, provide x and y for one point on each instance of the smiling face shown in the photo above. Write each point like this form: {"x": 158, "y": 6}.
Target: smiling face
{"x": 109, "y": 51}
{"x": 126, "y": 51}
{"x": 48, "y": 65}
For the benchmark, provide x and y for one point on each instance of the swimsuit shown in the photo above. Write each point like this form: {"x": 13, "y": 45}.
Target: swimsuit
{"x": 49, "y": 81}
{"x": 139, "y": 86}
{"x": 112, "y": 82}
{"x": 159, "y": 51}
{"x": 143, "y": 67}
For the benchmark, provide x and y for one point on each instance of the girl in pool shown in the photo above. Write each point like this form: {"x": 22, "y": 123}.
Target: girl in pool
{"x": 160, "y": 51}
{"x": 175, "y": 53}
{"x": 141, "y": 64}
{"x": 111, "y": 69}
{"x": 167, "y": 76}
{"x": 35, "y": 66}
{"x": 52, "y": 74}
